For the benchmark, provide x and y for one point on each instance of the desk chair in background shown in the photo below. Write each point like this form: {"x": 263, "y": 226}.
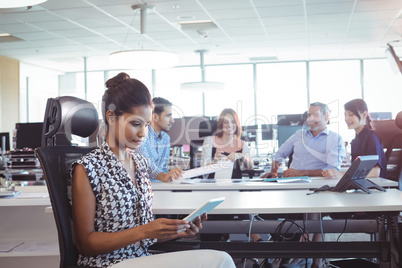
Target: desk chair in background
{"x": 64, "y": 116}
{"x": 390, "y": 132}
{"x": 394, "y": 154}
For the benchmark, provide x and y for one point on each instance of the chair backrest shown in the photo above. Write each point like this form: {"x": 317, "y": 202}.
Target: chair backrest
{"x": 56, "y": 164}
{"x": 393, "y": 152}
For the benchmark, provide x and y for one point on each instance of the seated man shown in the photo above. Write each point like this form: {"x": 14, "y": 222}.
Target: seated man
{"x": 314, "y": 150}
{"x": 156, "y": 145}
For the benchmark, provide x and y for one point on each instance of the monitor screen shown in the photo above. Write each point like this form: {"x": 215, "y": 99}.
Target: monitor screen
{"x": 268, "y": 132}
{"x": 291, "y": 119}
{"x": 185, "y": 130}
{"x": 380, "y": 115}
{"x": 285, "y": 131}
{"x": 5, "y": 136}
{"x": 249, "y": 133}
{"x": 29, "y": 135}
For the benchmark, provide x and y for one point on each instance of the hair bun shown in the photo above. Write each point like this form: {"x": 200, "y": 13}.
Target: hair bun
{"x": 117, "y": 80}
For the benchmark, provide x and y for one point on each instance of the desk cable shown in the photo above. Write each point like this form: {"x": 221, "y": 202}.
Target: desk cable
{"x": 344, "y": 229}
{"x": 321, "y": 189}
{"x": 280, "y": 234}
{"x": 252, "y": 216}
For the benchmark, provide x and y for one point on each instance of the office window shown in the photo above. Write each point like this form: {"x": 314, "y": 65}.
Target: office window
{"x": 167, "y": 85}
{"x": 95, "y": 87}
{"x": 145, "y": 76}
{"x": 335, "y": 83}
{"x": 281, "y": 89}
{"x": 238, "y": 93}
{"x": 36, "y": 86}
{"x": 382, "y": 89}
{"x": 96, "y": 84}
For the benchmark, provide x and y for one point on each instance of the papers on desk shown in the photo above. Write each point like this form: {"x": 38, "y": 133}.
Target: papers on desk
{"x": 32, "y": 195}
{"x": 289, "y": 179}
{"x": 220, "y": 167}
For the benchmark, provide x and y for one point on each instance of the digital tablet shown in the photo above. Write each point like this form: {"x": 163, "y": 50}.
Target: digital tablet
{"x": 207, "y": 207}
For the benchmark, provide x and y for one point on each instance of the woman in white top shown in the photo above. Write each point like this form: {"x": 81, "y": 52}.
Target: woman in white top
{"x": 226, "y": 144}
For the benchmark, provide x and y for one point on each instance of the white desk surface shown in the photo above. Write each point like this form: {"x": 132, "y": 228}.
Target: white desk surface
{"x": 219, "y": 185}
{"x": 28, "y": 196}
{"x": 272, "y": 202}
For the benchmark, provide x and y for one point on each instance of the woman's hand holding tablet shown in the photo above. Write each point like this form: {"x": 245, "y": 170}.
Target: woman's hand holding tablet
{"x": 207, "y": 207}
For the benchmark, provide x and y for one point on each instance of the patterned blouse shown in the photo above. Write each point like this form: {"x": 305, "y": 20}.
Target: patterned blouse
{"x": 119, "y": 204}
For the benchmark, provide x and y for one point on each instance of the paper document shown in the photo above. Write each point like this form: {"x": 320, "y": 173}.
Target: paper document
{"x": 195, "y": 172}
{"x": 289, "y": 179}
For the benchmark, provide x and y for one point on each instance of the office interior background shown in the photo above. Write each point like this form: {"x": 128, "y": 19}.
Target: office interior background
{"x": 274, "y": 57}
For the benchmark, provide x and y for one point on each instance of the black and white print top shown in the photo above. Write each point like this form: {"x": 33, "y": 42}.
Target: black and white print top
{"x": 119, "y": 204}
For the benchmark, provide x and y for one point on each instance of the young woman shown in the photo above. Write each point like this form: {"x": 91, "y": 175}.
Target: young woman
{"x": 366, "y": 141}
{"x": 112, "y": 196}
{"x": 226, "y": 144}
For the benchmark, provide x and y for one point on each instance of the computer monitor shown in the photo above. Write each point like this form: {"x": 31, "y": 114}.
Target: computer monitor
{"x": 291, "y": 119}
{"x": 187, "y": 129}
{"x": 6, "y": 137}
{"x": 355, "y": 176}
{"x": 285, "y": 132}
{"x": 380, "y": 115}
{"x": 268, "y": 132}
{"x": 249, "y": 133}
{"x": 29, "y": 135}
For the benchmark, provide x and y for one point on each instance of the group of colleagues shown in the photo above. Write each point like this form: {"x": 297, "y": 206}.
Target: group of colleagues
{"x": 111, "y": 187}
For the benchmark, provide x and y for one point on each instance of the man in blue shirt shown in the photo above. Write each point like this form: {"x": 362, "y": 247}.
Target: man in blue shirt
{"x": 156, "y": 145}
{"x": 314, "y": 150}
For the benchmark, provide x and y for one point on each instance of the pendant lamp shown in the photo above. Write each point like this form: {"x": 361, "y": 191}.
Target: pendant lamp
{"x": 19, "y": 3}
{"x": 143, "y": 58}
{"x": 202, "y": 85}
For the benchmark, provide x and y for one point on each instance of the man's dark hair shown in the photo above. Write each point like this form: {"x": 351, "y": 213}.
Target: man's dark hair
{"x": 159, "y": 105}
{"x": 323, "y": 107}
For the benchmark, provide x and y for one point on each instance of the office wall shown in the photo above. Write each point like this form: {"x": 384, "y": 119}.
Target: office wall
{"x": 9, "y": 93}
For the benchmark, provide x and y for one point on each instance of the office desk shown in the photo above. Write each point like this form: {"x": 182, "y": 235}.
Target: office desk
{"x": 25, "y": 223}
{"x": 40, "y": 235}
{"x": 272, "y": 202}
{"x": 247, "y": 185}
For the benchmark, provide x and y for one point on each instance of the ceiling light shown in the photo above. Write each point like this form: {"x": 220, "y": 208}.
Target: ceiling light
{"x": 143, "y": 58}
{"x": 19, "y": 3}
{"x": 202, "y": 85}
{"x": 195, "y": 22}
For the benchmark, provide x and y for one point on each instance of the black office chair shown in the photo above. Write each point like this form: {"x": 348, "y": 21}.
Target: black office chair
{"x": 394, "y": 154}
{"x": 65, "y": 116}
{"x": 56, "y": 164}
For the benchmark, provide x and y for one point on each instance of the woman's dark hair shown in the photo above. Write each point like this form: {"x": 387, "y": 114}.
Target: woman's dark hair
{"x": 123, "y": 94}
{"x": 225, "y": 112}
{"x": 358, "y": 106}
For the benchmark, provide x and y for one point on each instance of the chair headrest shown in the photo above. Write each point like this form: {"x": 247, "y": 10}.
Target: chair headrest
{"x": 66, "y": 116}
